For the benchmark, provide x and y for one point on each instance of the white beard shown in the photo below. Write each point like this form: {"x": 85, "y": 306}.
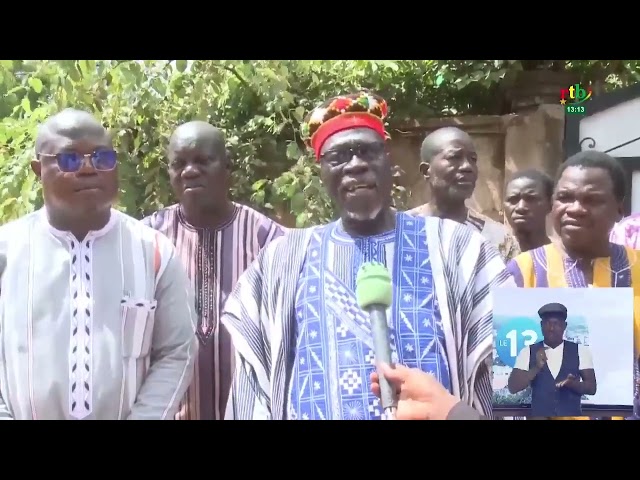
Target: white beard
{"x": 365, "y": 217}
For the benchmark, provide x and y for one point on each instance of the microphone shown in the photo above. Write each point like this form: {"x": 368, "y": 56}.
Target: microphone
{"x": 374, "y": 294}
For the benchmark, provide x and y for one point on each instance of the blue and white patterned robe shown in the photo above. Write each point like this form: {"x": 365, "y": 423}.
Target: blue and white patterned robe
{"x": 334, "y": 354}
{"x": 270, "y": 320}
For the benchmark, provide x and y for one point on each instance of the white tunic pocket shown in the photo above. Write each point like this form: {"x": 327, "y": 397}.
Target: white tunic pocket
{"x": 138, "y": 316}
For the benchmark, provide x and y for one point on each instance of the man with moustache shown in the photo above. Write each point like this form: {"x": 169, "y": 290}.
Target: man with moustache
{"x": 449, "y": 165}
{"x": 527, "y": 203}
{"x": 216, "y": 240}
{"x": 96, "y": 316}
{"x": 304, "y": 348}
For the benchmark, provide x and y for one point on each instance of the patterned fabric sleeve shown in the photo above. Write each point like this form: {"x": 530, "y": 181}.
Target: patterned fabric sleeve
{"x": 627, "y": 232}
{"x": 513, "y": 268}
{"x": 269, "y": 230}
{"x": 490, "y": 273}
{"x": 257, "y": 315}
{"x": 247, "y": 401}
{"x": 243, "y": 316}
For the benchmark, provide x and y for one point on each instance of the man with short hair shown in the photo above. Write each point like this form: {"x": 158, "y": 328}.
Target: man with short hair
{"x": 304, "y": 348}
{"x": 449, "y": 165}
{"x": 97, "y": 319}
{"x": 558, "y": 371}
{"x": 216, "y": 240}
{"x": 527, "y": 203}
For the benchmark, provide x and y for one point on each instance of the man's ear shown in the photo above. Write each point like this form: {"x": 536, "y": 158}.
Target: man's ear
{"x": 36, "y": 166}
{"x": 424, "y": 170}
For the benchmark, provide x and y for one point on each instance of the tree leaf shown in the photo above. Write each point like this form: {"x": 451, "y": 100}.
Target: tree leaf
{"x": 36, "y": 84}
{"x": 26, "y": 105}
{"x": 258, "y": 104}
{"x": 181, "y": 65}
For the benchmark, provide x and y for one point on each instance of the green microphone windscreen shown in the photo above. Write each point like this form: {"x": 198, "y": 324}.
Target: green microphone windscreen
{"x": 373, "y": 285}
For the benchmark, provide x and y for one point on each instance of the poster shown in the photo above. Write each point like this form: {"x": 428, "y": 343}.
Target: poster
{"x": 598, "y": 334}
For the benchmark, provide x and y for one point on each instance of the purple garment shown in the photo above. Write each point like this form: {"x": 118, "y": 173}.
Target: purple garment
{"x": 627, "y": 232}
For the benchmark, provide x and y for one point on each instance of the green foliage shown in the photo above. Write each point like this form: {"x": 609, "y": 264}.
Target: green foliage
{"x": 259, "y": 105}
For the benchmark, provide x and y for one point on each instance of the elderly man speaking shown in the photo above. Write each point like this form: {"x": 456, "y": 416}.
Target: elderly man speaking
{"x": 304, "y": 347}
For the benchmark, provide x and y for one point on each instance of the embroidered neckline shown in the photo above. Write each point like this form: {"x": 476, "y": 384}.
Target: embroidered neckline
{"x": 183, "y": 221}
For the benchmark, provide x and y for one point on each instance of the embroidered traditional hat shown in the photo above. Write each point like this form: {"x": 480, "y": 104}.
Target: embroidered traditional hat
{"x": 360, "y": 110}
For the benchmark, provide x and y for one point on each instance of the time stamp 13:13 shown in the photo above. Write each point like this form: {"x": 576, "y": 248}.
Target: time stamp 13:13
{"x": 575, "y": 109}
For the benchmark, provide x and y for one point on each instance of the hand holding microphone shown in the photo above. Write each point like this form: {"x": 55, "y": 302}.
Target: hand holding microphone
{"x": 420, "y": 395}
{"x": 405, "y": 393}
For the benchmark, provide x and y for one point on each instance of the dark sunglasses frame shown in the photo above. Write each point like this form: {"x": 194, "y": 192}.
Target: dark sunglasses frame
{"x": 70, "y": 162}
{"x": 367, "y": 152}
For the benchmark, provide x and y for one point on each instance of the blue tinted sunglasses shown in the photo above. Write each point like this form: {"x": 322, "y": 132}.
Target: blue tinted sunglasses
{"x": 101, "y": 160}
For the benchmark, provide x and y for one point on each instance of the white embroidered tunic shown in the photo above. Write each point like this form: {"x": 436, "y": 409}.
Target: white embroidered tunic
{"x": 98, "y": 329}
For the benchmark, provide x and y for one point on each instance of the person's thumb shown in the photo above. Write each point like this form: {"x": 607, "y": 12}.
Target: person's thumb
{"x": 396, "y": 374}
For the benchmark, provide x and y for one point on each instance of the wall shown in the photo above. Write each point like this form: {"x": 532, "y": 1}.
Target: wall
{"x": 505, "y": 144}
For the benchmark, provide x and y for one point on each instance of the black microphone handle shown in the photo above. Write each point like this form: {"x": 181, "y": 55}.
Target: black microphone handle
{"x": 382, "y": 352}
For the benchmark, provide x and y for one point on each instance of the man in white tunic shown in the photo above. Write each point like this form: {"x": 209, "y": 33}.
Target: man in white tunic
{"x": 96, "y": 313}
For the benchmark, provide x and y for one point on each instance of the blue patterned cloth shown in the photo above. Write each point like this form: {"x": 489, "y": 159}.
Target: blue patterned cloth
{"x": 334, "y": 355}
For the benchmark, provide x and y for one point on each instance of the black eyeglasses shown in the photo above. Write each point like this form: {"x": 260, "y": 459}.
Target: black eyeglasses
{"x": 365, "y": 151}
{"x": 69, "y": 162}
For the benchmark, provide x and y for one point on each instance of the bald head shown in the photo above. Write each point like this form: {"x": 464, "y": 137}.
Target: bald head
{"x": 71, "y": 124}
{"x": 198, "y": 135}
{"x": 437, "y": 140}
{"x": 448, "y": 161}
{"x": 200, "y": 171}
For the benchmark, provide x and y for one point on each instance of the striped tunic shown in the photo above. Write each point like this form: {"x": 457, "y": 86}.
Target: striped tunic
{"x": 261, "y": 314}
{"x": 214, "y": 260}
{"x": 101, "y": 329}
{"x": 495, "y": 232}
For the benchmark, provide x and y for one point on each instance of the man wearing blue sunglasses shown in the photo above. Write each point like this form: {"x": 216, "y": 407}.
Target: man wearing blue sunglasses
{"x": 96, "y": 312}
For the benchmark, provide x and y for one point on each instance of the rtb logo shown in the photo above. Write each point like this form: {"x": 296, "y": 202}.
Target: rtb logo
{"x": 575, "y": 94}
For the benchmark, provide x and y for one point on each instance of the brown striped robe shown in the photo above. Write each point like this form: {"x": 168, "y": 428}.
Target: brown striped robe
{"x": 214, "y": 259}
